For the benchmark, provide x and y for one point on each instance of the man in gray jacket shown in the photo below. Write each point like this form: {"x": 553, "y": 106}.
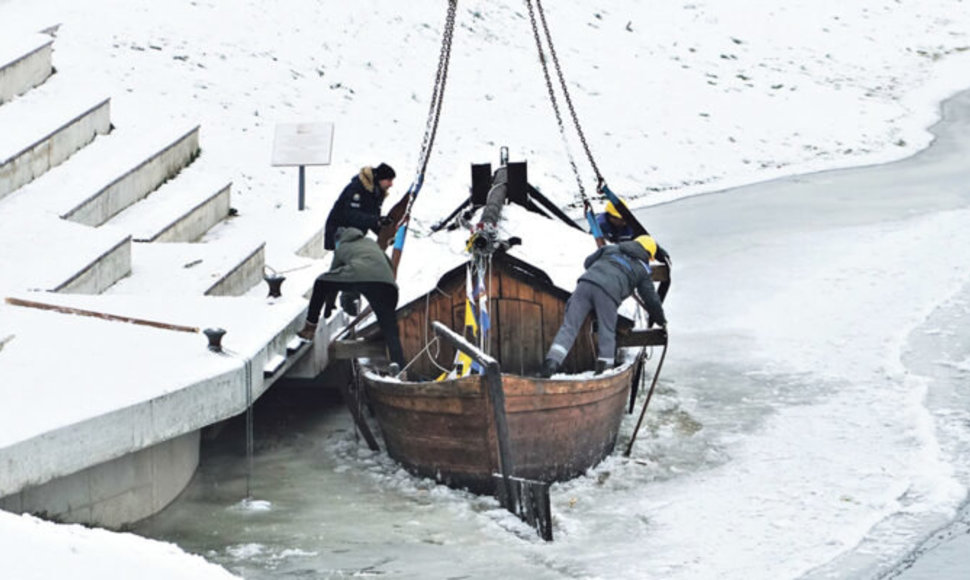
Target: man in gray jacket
{"x": 612, "y": 274}
{"x": 358, "y": 265}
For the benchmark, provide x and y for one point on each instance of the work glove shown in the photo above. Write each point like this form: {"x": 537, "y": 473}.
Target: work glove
{"x": 384, "y": 221}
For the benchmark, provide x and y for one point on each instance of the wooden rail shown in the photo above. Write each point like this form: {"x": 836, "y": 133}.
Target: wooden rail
{"x": 96, "y": 314}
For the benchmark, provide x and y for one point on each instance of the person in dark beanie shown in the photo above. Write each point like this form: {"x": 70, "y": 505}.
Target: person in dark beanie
{"x": 359, "y": 265}
{"x": 384, "y": 172}
{"x": 359, "y": 205}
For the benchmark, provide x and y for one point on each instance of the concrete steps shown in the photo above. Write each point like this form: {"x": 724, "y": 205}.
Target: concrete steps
{"x": 245, "y": 275}
{"x": 41, "y": 133}
{"x": 180, "y": 268}
{"x": 182, "y": 210}
{"x": 313, "y": 247}
{"x": 125, "y": 180}
{"x": 123, "y": 220}
{"x": 148, "y": 170}
{"x": 25, "y": 63}
{"x": 99, "y": 258}
{"x": 58, "y": 262}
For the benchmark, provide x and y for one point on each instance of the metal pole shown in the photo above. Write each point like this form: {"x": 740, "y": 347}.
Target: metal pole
{"x": 250, "y": 444}
{"x": 629, "y": 447}
{"x": 302, "y": 186}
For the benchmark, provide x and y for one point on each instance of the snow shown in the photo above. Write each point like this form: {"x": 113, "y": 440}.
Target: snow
{"x": 35, "y": 549}
{"x": 675, "y": 99}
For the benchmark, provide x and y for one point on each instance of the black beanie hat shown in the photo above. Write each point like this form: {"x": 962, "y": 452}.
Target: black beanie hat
{"x": 384, "y": 171}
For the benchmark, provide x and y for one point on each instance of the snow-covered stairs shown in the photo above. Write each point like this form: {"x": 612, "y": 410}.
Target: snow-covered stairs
{"x": 61, "y": 156}
{"x": 25, "y": 62}
{"x": 114, "y": 214}
{"x": 42, "y": 132}
{"x": 144, "y": 167}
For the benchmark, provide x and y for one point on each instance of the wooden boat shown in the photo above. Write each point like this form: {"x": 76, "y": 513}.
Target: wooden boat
{"x": 446, "y": 430}
{"x": 502, "y": 429}
{"x": 465, "y": 429}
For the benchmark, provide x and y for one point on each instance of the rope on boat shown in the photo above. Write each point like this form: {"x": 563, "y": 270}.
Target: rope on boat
{"x": 432, "y": 342}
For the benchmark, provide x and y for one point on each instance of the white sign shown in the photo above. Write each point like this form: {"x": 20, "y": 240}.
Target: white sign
{"x": 302, "y": 144}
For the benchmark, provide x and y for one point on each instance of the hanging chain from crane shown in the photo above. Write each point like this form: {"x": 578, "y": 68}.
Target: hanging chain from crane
{"x": 403, "y": 217}
{"x": 438, "y": 93}
{"x": 565, "y": 91}
{"x": 554, "y": 101}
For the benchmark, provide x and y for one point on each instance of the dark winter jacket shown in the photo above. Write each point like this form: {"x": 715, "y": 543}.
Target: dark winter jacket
{"x": 359, "y": 206}
{"x": 359, "y": 259}
{"x": 620, "y": 269}
{"x": 612, "y": 234}
{"x": 623, "y": 234}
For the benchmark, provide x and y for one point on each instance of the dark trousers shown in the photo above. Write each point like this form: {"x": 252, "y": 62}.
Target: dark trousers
{"x": 382, "y": 298}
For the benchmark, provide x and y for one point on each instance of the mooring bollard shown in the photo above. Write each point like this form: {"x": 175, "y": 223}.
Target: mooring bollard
{"x": 275, "y": 282}
{"x": 215, "y": 338}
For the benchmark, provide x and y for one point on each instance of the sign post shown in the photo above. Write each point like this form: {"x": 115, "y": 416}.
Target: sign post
{"x": 302, "y": 144}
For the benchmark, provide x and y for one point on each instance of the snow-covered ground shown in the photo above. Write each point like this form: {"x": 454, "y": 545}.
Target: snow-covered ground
{"x": 675, "y": 99}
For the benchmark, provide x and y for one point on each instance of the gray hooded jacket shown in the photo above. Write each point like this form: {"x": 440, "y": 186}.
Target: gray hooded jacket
{"x": 359, "y": 259}
{"x": 619, "y": 270}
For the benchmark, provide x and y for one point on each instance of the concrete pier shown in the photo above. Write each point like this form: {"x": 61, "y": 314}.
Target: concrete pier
{"x": 117, "y": 492}
{"x": 116, "y": 257}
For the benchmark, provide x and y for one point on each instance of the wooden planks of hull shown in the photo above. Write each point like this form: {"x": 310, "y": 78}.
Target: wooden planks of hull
{"x": 558, "y": 428}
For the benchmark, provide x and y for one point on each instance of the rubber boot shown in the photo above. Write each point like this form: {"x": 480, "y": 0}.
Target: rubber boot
{"x": 600, "y": 367}
{"x": 549, "y": 368}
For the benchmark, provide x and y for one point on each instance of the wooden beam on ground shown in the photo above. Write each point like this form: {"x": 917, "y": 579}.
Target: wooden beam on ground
{"x": 101, "y": 315}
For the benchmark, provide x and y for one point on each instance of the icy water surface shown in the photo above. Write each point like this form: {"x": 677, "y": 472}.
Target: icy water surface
{"x": 813, "y": 419}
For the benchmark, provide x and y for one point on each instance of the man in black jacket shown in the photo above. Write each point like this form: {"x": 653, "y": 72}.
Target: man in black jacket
{"x": 612, "y": 274}
{"x": 359, "y": 205}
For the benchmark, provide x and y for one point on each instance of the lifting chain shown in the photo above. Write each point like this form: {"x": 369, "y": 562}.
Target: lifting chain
{"x": 438, "y": 93}
{"x": 552, "y": 96}
{"x": 431, "y": 128}
{"x": 555, "y": 103}
{"x": 565, "y": 92}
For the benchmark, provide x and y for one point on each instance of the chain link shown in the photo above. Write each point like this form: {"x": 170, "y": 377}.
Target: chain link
{"x": 552, "y": 97}
{"x": 565, "y": 91}
{"x": 438, "y": 93}
{"x": 434, "y": 110}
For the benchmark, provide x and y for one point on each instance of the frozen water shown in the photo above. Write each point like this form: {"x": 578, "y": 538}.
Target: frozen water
{"x": 811, "y": 420}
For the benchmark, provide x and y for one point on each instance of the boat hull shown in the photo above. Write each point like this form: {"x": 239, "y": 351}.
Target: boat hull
{"x": 446, "y": 430}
